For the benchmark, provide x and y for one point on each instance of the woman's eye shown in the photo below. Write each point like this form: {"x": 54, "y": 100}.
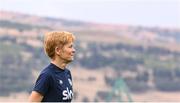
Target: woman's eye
{"x": 70, "y": 46}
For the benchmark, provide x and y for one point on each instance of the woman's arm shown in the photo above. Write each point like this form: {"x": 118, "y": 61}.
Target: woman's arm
{"x": 35, "y": 97}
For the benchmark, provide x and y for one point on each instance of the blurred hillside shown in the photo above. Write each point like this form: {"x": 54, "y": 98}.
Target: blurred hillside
{"x": 147, "y": 59}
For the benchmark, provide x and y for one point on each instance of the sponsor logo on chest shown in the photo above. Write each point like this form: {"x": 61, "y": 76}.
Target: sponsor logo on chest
{"x": 67, "y": 94}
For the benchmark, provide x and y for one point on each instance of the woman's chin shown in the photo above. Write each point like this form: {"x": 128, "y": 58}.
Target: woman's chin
{"x": 70, "y": 60}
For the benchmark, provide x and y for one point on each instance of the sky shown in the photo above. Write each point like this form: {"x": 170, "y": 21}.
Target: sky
{"x": 149, "y": 13}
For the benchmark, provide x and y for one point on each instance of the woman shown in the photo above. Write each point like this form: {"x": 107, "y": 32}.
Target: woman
{"x": 54, "y": 83}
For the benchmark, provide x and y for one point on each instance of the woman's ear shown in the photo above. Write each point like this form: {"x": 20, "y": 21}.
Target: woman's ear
{"x": 57, "y": 50}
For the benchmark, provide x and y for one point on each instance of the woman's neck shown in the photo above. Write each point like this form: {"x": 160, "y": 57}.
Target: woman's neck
{"x": 59, "y": 63}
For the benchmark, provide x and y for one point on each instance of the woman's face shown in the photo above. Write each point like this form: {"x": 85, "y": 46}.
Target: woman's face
{"x": 67, "y": 52}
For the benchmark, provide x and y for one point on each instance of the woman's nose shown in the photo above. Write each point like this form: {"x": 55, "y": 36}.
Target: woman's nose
{"x": 73, "y": 50}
